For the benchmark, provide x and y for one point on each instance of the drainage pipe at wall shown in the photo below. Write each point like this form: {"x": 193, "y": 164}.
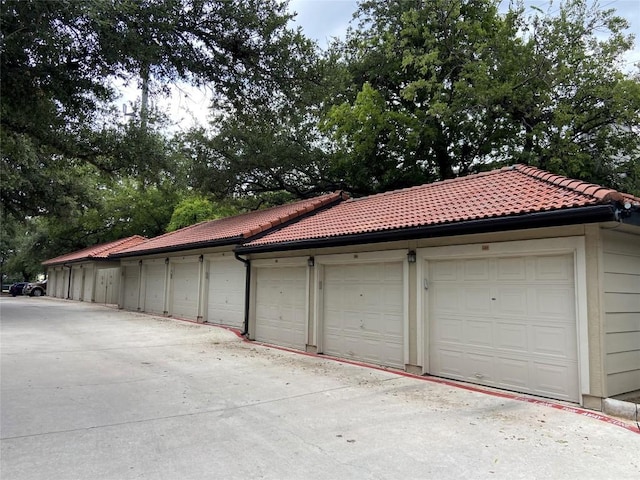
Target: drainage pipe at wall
{"x": 247, "y": 290}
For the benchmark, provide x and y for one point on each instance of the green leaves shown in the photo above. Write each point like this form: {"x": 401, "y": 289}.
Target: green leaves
{"x": 369, "y": 136}
{"x": 60, "y": 58}
{"x": 196, "y": 209}
{"x": 446, "y": 87}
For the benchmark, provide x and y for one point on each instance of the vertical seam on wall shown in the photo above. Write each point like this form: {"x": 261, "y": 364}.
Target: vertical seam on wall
{"x": 601, "y": 313}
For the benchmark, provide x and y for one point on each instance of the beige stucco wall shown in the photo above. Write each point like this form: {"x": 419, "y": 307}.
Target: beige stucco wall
{"x": 621, "y": 311}
{"x": 593, "y": 259}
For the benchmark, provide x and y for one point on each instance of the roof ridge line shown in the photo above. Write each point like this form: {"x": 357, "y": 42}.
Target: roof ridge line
{"x": 602, "y": 194}
{"x": 316, "y": 203}
{"x": 92, "y": 251}
{"x": 116, "y": 243}
{"x": 239, "y": 215}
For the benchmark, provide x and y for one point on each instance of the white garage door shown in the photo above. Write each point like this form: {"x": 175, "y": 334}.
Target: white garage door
{"x": 107, "y": 285}
{"x": 76, "y": 283}
{"x": 87, "y": 294}
{"x": 281, "y": 306}
{"x": 63, "y": 284}
{"x": 185, "y": 290}
{"x": 131, "y": 286}
{"x": 225, "y": 300}
{"x": 53, "y": 284}
{"x": 506, "y": 322}
{"x": 363, "y": 312}
{"x": 154, "y": 287}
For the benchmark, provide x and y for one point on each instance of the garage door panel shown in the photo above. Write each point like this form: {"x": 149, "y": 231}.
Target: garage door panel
{"x": 509, "y": 301}
{"x": 281, "y": 306}
{"x": 477, "y": 270}
{"x": 225, "y": 299}
{"x": 363, "y": 308}
{"x": 450, "y": 363}
{"x": 552, "y": 302}
{"x": 517, "y": 331}
{"x": 514, "y": 373}
{"x": 554, "y": 380}
{"x": 448, "y": 329}
{"x": 392, "y": 325}
{"x": 554, "y": 268}
{"x": 155, "y": 279}
{"x": 131, "y": 287}
{"x": 476, "y": 299}
{"x": 445, "y": 299}
{"x": 89, "y": 276}
{"x": 60, "y": 288}
{"x": 76, "y": 282}
{"x": 510, "y": 269}
{"x": 553, "y": 340}
{"x": 185, "y": 289}
{"x": 391, "y": 296}
{"x": 478, "y": 332}
{"x": 444, "y": 271}
{"x": 479, "y": 366}
{"x": 511, "y": 336}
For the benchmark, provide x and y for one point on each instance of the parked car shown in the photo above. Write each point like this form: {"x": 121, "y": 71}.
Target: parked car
{"x": 36, "y": 289}
{"x": 17, "y": 288}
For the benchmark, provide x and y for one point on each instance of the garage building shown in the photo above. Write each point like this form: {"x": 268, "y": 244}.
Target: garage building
{"x": 193, "y": 273}
{"x": 88, "y": 275}
{"x": 516, "y": 279}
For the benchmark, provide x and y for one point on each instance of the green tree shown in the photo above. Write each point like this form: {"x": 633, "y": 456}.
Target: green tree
{"x": 21, "y": 261}
{"x": 197, "y": 209}
{"x": 59, "y": 60}
{"x": 572, "y": 108}
{"x": 264, "y": 148}
{"x": 118, "y": 209}
{"x": 259, "y": 154}
{"x": 445, "y": 87}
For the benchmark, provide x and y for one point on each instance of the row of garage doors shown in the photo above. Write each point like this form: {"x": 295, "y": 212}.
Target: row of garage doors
{"x": 508, "y": 322}
{"x": 85, "y": 283}
{"x": 175, "y": 289}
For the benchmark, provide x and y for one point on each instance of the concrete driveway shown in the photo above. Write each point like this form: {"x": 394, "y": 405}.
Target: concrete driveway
{"x": 89, "y": 392}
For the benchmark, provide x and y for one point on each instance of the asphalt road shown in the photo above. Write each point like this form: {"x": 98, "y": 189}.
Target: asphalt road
{"x": 89, "y": 392}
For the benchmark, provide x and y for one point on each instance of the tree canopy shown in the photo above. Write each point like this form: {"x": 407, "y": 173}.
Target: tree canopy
{"x": 446, "y": 87}
{"x": 59, "y": 61}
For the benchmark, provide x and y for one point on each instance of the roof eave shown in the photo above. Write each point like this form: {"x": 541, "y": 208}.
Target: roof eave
{"x": 236, "y": 240}
{"x": 76, "y": 260}
{"x": 588, "y": 214}
{"x": 179, "y": 248}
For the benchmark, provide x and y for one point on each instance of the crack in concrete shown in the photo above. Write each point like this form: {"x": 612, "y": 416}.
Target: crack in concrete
{"x": 191, "y": 414}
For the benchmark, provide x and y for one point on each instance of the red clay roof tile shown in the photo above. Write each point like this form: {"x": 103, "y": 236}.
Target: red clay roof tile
{"x": 100, "y": 251}
{"x": 231, "y": 230}
{"x": 508, "y": 191}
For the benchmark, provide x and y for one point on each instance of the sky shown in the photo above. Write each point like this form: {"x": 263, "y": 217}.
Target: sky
{"x": 322, "y": 20}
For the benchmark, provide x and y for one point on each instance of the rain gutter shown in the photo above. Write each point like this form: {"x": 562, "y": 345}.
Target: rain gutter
{"x": 180, "y": 248}
{"x": 589, "y": 214}
{"x": 247, "y": 288}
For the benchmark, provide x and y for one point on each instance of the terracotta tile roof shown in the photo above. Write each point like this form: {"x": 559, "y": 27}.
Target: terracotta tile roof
{"x": 231, "y": 230}
{"x": 509, "y": 191}
{"x": 100, "y": 251}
